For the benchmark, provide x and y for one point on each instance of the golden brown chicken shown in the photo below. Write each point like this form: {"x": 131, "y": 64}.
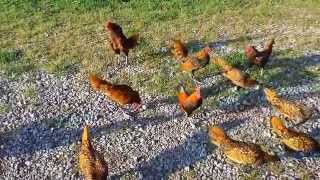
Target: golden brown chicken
{"x": 189, "y": 102}
{"x": 193, "y": 62}
{"x": 259, "y": 58}
{"x": 294, "y": 111}
{"x": 118, "y": 41}
{"x": 92, "y": 164}
{"x": 235, "y": 75}
{"x": 122, "y": 94}
{"x": 296, "y": 141}
{"x": 178, "y": 50}
{"x": 237, "y": 151}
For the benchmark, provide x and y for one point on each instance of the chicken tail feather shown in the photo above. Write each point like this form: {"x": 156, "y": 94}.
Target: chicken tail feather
{"x": 85, "y": 135}
{"x": 132, "y": 41}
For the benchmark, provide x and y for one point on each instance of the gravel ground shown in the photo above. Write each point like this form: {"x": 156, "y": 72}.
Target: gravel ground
{"x": 40, "y": 133}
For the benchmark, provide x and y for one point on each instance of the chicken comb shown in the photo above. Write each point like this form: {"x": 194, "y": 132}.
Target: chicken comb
{"x": 207, "y": 49}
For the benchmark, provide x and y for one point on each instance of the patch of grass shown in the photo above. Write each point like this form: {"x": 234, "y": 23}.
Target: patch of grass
{"x": 304, "y": 173}
{"x": 237, "y": 59}
{"x": 252, "y": 175}
{"x": 287, "y": 69}
{"x": 30, "y": 93}
{"x": 276, "y": 168}
{"x": 59, "y": 36}
{"x": 13, "y": 64}
{"x": 59, "y": 66}
{"x": 4, "y": 108}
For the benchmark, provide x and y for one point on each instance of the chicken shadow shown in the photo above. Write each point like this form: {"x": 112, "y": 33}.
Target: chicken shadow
{"x": 196, "y": 45}
{"x": 172, "y": 160}
{"x": 315, "y": 133}
{"x": 300, "y": 155}
{"x": 43, "y": 135}
{"x": 293, "y": 71}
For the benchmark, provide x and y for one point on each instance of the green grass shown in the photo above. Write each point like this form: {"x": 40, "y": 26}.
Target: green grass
{"x": 30, "y": 94}
{"x": 4, "y": 108}
{"x": 13, "y": 64}
{"x": 68, "y": 36}
{"x": 253, "y": 174}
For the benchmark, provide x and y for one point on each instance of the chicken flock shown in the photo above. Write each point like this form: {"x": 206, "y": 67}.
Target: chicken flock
{"x": 93, "y": 165}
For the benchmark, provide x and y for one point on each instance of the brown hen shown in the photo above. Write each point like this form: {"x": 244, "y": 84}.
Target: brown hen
{"x": 296, "y": 141}
{"x": 259, "y": 58}
{"x": 118, "y": 41}
{"x": 193, "y": 62}
{"x": 122, "y": 94}
{"x": 292, "y": 110}
{"x": 238, "y": 151}
{"x": 92, "y": 164}
{"x": 235, "y": 75}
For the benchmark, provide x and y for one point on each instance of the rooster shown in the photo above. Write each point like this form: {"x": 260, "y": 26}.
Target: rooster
{"x": 235, "y": 75}
{"x": 118, "y": 41}
{"x": 193, "y": 62}
{"x": 92, "y": 164}
{"x": 294, "y": 111}
{"x": 189, "y": 102}
{"x": 259, "y": 58}
{"x": 122, "y": 94}
{"x": 238, "y": 151}
{"x": 296, "y": 141}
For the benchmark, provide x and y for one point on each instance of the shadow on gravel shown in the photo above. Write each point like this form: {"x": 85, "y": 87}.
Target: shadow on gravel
{"x": 153, "y": 104}
{"x": 42, "y": 135}
{"x": 232, "y": 124}
{"x": 300, "y": 155}
{"x": 315, "y": 133}
{"x": 196, "y": 45}
{"x": 293, "y": 71}
{"x": 140, "y": 122}
{"x": 172, "y": 160}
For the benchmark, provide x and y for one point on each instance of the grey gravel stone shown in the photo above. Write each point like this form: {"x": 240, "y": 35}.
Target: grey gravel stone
{"x": 41, "y": 140}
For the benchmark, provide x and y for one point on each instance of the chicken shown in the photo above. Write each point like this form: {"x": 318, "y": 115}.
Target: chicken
{"x": 193, "y": 62}
{"x": 296, "y": 141}
{"x": 179, "y": 51}
{"x": 294, "y": 111}
{"x": 118, "y": 41}
{"x": 238, "y": 151}
{"x": 92, "y": 164}
{"x": 200, "y": 60}
{"x": 235, "y": 75}
{"x": 122, "y": 94}
{"x": 259, "y": 58}
{"x": 189, "y": 102}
